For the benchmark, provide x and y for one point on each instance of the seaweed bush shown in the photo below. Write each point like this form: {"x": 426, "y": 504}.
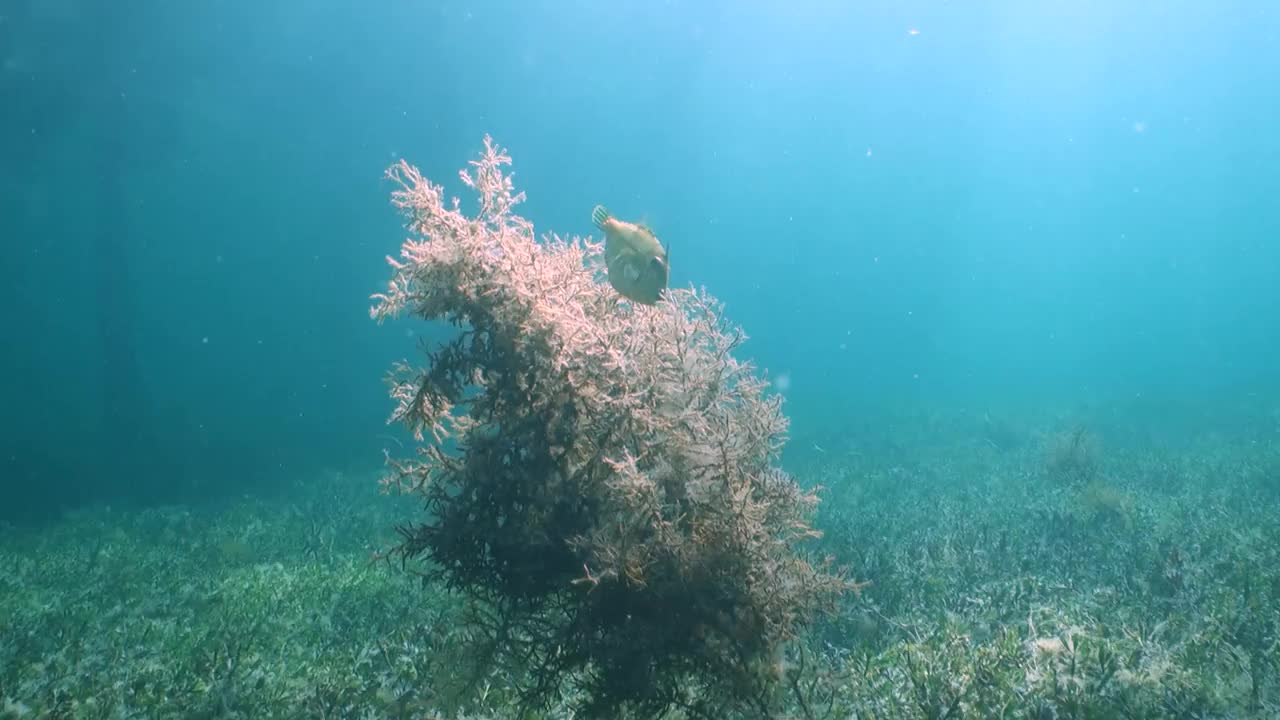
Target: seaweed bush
{"x": 599, "y": 477}
{"x": 1071, "y": 458}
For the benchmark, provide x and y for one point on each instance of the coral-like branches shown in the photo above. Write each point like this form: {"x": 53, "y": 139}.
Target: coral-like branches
{"x": 599, "y": 472}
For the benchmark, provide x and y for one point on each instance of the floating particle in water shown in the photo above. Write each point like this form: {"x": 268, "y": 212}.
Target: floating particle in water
{"x": 783, "y": 383}
{"x": 1139, "y": 126}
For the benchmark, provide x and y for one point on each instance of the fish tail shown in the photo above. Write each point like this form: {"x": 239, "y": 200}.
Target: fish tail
{"x": 599, "y": 216}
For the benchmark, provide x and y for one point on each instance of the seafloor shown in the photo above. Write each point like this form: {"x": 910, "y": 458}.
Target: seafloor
{"x": 1012, "y": 575}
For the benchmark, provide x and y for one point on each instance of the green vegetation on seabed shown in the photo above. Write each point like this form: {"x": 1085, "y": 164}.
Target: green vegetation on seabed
{"x": 1056, "y": 578}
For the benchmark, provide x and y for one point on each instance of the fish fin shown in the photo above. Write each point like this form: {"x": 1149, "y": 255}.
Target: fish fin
{"x": 599, "y": 216}
{"x": 630, "y": 272}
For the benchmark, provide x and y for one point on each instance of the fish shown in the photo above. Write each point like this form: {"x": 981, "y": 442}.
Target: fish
{"x": 638, "y": 266}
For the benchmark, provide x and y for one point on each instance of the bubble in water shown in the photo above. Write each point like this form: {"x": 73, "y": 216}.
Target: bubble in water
{"x": 783, "y": 382}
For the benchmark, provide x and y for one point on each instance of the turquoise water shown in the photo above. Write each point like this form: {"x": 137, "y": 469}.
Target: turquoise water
{"x": 923, "y": 205}
{"x": 934, "y": 204}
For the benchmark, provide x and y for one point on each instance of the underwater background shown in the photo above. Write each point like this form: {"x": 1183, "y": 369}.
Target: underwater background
{"x": 1010, "y": 258}
{"x": 1019, "y": 206}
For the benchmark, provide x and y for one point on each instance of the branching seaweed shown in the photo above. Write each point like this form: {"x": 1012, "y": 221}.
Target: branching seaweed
{"x": 601, "y": 473}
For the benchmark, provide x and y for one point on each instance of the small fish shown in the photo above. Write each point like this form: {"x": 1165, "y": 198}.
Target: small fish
{"x": 638, "y": 265}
